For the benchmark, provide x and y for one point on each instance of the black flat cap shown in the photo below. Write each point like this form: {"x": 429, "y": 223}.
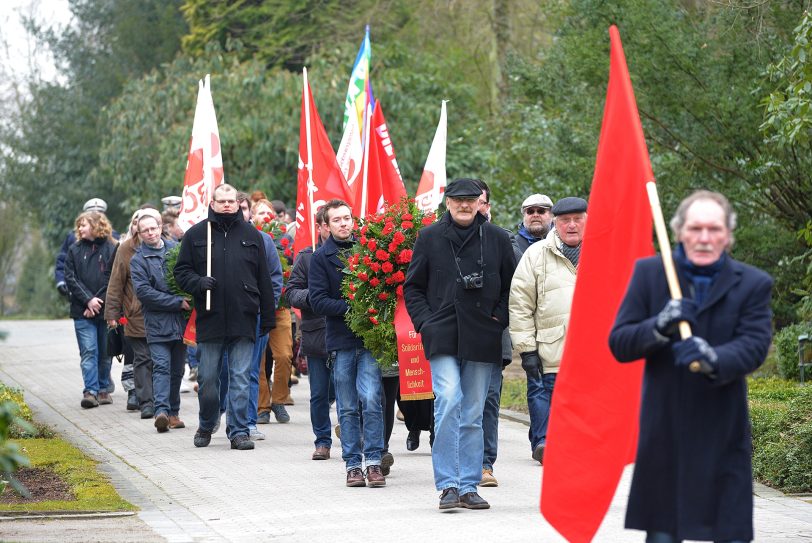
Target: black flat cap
{"x": 570, "y": 204}
{"x": 463, "y": 188}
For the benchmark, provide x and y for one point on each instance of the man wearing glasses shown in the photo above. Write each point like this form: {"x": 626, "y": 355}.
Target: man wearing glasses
{"x": 535, "y": 225}
{"x": 240, "y": 286}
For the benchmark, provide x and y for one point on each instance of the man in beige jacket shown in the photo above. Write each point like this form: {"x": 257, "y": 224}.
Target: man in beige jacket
{"x": 540, "y": 301}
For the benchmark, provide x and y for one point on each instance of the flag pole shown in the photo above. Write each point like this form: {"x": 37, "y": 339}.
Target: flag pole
{"x": 367, "y": 122}
{"x": 309, "y": 163}
{"x": 207, "y": 154}
{"x": 208, "y": 262}
{"x": 668, "y": 261}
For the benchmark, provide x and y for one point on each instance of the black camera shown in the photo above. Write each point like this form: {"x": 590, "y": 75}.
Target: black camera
{"x": 472, "y": 281}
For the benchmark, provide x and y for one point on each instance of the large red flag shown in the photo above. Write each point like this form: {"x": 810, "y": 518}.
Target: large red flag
{"x": 320, "y": 178}
{"x": 593, "y": 426}
{"x": 382, "y": 179}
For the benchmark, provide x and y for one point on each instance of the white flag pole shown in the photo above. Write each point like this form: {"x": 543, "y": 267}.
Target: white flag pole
{"x": 367, "y": 122}
{"x": 309, "y": 163}
{"x": 207, "y": 175}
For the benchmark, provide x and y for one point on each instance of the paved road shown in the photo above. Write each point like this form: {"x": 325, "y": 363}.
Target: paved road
{"x": 275, "y": 492}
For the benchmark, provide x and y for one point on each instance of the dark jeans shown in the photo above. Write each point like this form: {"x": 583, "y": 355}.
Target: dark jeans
{"x": 142, "y": 371}
{"x": 539, "y": 397}
{"x": 322, "y": 394}
{"x": 490, "y": 418}
{"x": 662, "y": 537}
{"x": 168, "y": 360}
{"x": 389, "y": 395}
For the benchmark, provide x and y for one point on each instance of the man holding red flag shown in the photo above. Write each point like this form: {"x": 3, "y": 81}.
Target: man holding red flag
{"x": 693, "y": 477}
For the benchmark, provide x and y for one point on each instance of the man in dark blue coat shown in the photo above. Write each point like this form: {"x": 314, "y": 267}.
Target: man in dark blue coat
{"x": 693, "y": 474}
{"x": 356, "y": 372}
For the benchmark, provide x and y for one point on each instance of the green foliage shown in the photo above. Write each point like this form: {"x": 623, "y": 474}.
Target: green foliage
{"x": 10, "y": 234}
{"x": 514, "y": 395}
{"x": 11, "y": 457}
{"x": 782, "y": 436}
{"x": 786, "y": 346}
{"x": 35, "y": 293}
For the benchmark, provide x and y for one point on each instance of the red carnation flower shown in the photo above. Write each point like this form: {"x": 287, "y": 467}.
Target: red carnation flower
{"x": 374, "y": 282}
{"x": 363, "y": 276}
{"x": 390, "y": 280}
{"x": 371, "y": 245}
{"x": 123, "y": 321}
{"x": 399, "y": 290}
{"x": 387, "y": 229}
{"x": 259, "y": 228}
{"x": 285, "y": 242}
{"x": 404, "y": 257}
{"x": 399, "y": 277}
{"x": 383, "y": 296}
{"x": 372, "y": 311}
{"x": 398, "y": 238}
{"x": 427, "y": 220}
{"x": 351, "y": 296}
{"x": 363, "y": 239}
{"x": 375, "y": 267}
{"x": 353, "y": 287}
{"x": 406, "y": 216}
{"x": 367, "y": 260}
{"x": 288, "y": 252}
{"x": 286, "y": 274}
{"x": 266, "y": 219}
{"x": 373, "y": 320}
{"x": 407, "y": 224}
{"x": 364, "y": 230}
{"x": 283, "y": 228}
{"x": 387, "y": 267}
{"x": 381, "y": 255}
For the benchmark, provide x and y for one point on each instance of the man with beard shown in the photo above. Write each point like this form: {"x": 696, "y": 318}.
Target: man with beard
{"x": 535, "y": 225}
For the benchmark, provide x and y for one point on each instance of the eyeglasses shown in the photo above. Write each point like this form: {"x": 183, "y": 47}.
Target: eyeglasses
{"x": 536, "y": 211}
{"x": 226, "y": 202}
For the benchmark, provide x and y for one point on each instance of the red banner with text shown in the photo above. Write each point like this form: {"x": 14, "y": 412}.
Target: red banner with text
{"x": 415, "y": 372}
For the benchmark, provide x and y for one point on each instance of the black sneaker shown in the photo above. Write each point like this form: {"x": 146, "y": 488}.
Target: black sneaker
{"x": 538, "y": 454}
{"x": 472, "y": 500}
{"x": 132, "y": 401}
{"x": 280, "y": 413}
{"x": 147, "y": 412}
{"x": 242, "y": 443}
{"x": 386, "y": 462}
{"x": 450, "y": 498}
{"x": 202, "y": 438}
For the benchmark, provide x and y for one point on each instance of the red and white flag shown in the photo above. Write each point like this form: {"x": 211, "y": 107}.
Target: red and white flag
{"x": 320, "y": 179}
{"x": 381, "y": 181}
{"x": 432, "y": 183}
{"x": 204, "y": 165}
{"x": 594, "y": 417}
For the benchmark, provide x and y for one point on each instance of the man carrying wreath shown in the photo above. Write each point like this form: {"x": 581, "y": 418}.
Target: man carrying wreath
{"x": 456, "y": 293}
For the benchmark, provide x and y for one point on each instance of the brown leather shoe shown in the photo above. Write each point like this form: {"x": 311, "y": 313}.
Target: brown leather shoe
{"x": 321, "y": 453}
{"x": 375, "y": 476}
{"x": 175, "y": 422}
{"x": 162, "y": 423}
{"x": 105, "y": 398}
{"x": 355, "y": 477}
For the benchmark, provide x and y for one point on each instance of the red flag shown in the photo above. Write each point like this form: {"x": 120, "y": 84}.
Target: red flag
{"x": 320, "y": 178}
{"x": 593, "y": 426}
{"x": 382, "y": 179}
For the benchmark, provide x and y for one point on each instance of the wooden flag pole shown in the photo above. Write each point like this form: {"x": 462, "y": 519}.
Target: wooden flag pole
{"x": 668, "y": 261}
{"x": 208, "y": 263}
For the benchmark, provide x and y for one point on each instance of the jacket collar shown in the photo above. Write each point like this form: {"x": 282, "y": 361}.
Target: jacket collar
{"x": 448, "y": 226}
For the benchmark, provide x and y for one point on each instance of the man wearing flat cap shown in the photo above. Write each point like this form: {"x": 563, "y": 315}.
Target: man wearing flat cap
{"x": 456, "y": 293}
{"x": 536, "y": 223}
{"x": 540, "y": 301}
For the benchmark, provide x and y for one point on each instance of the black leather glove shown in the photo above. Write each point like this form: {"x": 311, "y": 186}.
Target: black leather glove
{"x": 531, "y": 364}
{"x": 696, "y": 349}
{"x": 207, "y": 283}
{"x": 674, "y": 312}
{"x": 63, "y": 289}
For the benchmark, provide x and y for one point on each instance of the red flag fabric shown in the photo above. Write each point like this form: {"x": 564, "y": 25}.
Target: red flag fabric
{"x": 320, "y": 179}
{"x": 383, "y": 181}
{"x": 593, "y": 426}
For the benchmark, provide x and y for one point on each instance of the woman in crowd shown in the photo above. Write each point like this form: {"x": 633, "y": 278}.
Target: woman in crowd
{"x": 87, "y": 271}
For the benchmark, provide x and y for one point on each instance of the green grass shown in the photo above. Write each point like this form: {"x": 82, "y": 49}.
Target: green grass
{"x": 514, "y": 395}
{"x": 92, "y": 489}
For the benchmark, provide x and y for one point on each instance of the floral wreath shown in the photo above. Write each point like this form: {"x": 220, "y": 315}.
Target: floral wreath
{"x": 278, "y": 232}
{"x": 375, "y": 272}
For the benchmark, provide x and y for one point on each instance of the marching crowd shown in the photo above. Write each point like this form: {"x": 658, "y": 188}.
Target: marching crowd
{"x": 476, "y": 293}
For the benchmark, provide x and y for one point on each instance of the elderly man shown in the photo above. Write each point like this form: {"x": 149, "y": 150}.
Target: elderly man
{"x": 240, "y": 287}
{"x": 693, "y": 476}
{"x": 536, "y": 223}
{"x": 456, "y": 293}
{"x": 540, "y": 301}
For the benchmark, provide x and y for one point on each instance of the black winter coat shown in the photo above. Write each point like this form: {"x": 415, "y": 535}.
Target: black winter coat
{"x": 87, "y": 272}
{"x": 693, "y": 476}
{"x": 454, "y": 321}
{"x": 312, "y": 325}
{"x": 324, "y": 280}
{"x": 239, "y": 266}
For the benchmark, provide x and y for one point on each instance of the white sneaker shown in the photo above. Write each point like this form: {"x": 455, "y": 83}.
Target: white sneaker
{"x": 255, "y": 435}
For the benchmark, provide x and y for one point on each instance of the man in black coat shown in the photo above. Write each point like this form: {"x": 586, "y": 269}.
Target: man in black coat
{"x": 313, "y": 345}
{"x": 693, "y": 475}
{"x": 240, "y": 286}
{"x": 456, "y": 293}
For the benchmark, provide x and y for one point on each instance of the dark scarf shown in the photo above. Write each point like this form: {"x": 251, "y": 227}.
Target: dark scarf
{"x": 572, "y": 253}
{"x": 226, "y": 220}
{"x": 700, "y": 277}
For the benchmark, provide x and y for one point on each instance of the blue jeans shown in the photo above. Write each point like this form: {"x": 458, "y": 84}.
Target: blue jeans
{"x": 253, "y": 398}
{"x": 539, "y": 397}
{"x": 358, "y": 378}
{"x": 663, "y": 537}
{"x": 490, "y": 417}
{"x": 208, "y": 378}
{"x": 322, "y": 393}
{"x": 191, "y": 356}
{"x": 167, "y": 373}
{"x": 91, "y": 335}
{"x": 460, "y": 388}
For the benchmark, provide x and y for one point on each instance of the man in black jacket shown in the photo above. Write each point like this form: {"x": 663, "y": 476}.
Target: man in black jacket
{"x": 240, "y": 286}
{"x": 313, "y": 345}
{"x": 456, "y": 293}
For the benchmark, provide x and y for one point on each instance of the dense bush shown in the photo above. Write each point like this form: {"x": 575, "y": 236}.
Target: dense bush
{"x": 786, "y": 345}
{"x": 781, "y": 413}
